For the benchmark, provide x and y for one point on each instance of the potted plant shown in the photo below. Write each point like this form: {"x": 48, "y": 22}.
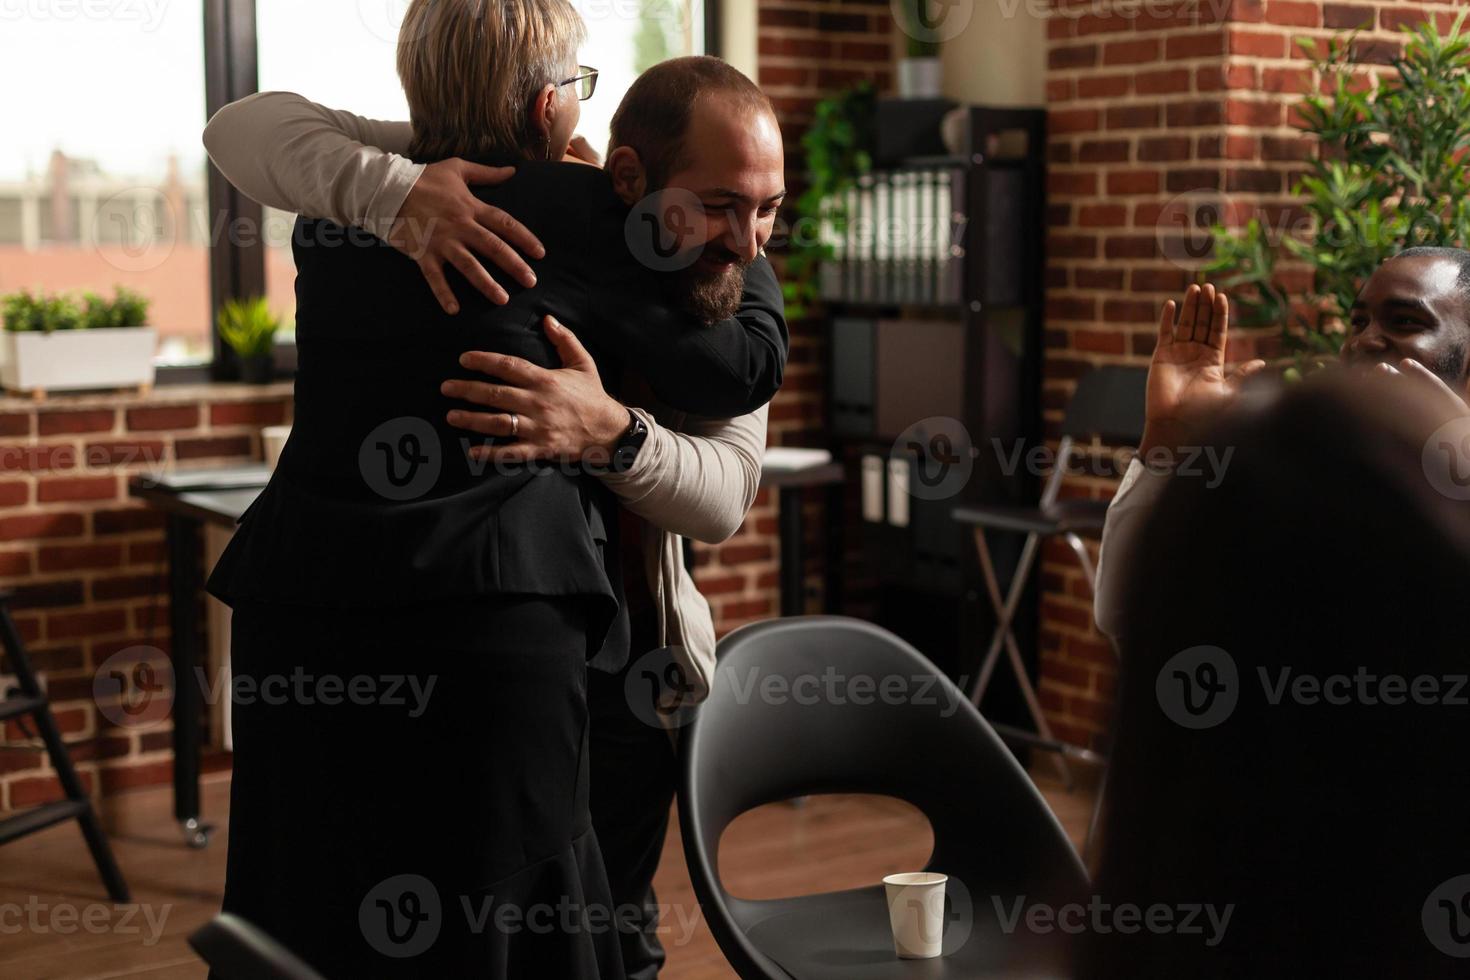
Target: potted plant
{"x": 838, "y": 149}
{"x": 920, "y": 74}
{"x": 55, "y": 343}
{"x": 249, "y": 328}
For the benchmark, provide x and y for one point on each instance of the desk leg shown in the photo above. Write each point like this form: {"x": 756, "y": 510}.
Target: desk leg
{"x": 185, "y": 579}
{"x": 836, "y": 548}
{"x": 789, "y": 519}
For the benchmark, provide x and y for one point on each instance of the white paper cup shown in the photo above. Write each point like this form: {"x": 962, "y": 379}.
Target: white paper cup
{"x": 273, "y": 440}
{"x": 916, "y": 913}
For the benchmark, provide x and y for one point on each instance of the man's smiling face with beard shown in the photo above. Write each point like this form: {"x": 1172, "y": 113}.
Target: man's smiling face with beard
{"x": 732, "y": 179}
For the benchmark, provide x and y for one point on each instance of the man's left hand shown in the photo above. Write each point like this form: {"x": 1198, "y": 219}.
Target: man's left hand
{"x": 552, "y": 413}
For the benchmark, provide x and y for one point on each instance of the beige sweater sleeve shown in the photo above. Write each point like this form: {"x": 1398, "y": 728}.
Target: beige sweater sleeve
{"x": 699, "y": 483}
{"x": 289, "y": 153}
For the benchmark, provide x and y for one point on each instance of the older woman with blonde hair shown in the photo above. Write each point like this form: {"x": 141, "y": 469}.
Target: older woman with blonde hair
{"x": 412, "y": 624}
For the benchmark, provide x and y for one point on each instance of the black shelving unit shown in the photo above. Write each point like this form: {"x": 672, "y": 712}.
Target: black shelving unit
{"x": 941, "y": 327}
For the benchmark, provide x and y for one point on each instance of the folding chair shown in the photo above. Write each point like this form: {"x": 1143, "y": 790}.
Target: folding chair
{"x": 33, "y": 701}
{"x": 1108, "y": 404}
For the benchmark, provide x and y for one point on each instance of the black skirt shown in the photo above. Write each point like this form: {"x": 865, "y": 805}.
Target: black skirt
{"x": 410, "y": 794}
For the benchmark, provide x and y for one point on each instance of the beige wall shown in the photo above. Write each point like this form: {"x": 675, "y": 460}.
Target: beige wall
{"x": 737, "y": 26}
{"x": 1000, "y": 57}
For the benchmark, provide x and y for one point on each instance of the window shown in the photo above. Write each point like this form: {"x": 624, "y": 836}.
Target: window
{"x": 102, "y": 173}
{"x": 623, "y": 38}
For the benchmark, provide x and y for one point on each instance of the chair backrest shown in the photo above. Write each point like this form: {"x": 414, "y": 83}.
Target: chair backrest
{"x": 821, "y": 704}
{"x": 1108, "y": 403}
{"x": 237, "y": 950}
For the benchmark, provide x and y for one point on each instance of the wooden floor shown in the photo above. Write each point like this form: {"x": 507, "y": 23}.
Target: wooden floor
{"x": 56, "y": 922}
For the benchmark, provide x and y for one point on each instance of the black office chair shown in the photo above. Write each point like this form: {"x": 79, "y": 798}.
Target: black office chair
{"x": 1108, "y": 404}
{"x": 237, "y": 950}
{"x": 994, "y": 835}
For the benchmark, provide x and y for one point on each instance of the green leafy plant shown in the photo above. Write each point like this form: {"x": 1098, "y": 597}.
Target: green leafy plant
{"x": 839, "y": 150}
{"x": 25, "y": 312}
{"x": 125, "y": 309}
{"x": 1392, "y": 172}
{"x": 249, "y": 327}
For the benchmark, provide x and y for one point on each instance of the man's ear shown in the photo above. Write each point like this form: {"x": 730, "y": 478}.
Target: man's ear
{"x": 629, "y": 178}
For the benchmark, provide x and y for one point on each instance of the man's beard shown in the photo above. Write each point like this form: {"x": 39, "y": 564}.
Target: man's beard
{"x": 712, "y": 296}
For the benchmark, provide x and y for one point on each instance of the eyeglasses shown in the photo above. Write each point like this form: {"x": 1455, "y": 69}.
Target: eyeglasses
{"x": 586, "y": 80}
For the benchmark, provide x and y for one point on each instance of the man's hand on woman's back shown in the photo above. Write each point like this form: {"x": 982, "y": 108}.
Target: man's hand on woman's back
{"x": 443, "y": 223}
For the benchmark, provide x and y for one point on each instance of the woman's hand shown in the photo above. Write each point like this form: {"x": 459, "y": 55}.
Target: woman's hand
{"x": 581, "y": 151}
{"x": 552, "y": 413}
{"x": 442, "y": 221}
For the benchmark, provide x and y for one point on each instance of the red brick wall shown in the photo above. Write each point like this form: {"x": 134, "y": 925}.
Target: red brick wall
{"x": 88, "y": 565}
{"x": 807, "y": 49}
{"x": 1160, "y": 112}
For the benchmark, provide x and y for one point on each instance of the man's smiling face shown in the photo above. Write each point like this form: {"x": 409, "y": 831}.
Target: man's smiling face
{"x": 1413, "y": 307}
{"x": 733, "y": 164}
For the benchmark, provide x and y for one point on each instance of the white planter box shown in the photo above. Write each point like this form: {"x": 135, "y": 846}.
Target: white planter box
{"x": 69, "y": 360}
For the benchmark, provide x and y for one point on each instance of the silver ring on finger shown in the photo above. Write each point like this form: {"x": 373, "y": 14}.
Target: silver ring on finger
{"x": 515, "y": 424}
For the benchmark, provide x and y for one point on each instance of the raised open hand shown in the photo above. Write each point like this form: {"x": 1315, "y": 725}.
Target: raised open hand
{"x": 1187, "y": 379}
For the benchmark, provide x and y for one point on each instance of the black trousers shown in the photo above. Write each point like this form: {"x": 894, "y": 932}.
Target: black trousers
{"x": 634, "y": 775}
{"x": 411, "y": 790}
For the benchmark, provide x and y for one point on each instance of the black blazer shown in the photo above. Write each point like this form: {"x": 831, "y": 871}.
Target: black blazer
{"x": 374, "y": 499}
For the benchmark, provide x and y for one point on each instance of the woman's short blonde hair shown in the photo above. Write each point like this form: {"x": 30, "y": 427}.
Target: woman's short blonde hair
{"x": 470, "y": 69}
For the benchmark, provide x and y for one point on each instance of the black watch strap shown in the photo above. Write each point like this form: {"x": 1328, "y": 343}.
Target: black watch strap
{"x": 628, "y": 447}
